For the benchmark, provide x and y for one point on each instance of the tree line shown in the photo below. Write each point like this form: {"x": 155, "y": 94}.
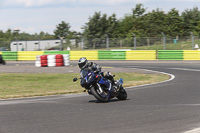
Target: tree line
{"x": 140, "y": 22}
{"x": 144, "y": 24}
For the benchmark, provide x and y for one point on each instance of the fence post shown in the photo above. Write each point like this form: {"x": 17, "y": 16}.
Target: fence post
{"x": 61, "y": 44}
{"x": 82, "y": 42}
{"x": 134, "y": 41}
{"x": 38, "y": 43}
{"x": 164, "y": 41}
{"x": 192, "y": 40}
{"x": 17, "y": 43}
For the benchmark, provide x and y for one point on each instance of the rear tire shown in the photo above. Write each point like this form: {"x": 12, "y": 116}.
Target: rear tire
{"x": 122, "y": 94}
{"x": 98, "y": 96}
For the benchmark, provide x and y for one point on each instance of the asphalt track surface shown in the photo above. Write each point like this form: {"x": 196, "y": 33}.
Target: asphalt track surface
{"x": 169, "y": 107}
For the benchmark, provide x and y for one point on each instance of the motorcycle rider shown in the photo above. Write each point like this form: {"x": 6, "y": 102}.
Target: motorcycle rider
{"x": 83, "y": 63}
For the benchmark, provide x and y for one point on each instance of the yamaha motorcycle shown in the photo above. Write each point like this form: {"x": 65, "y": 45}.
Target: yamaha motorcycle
{"x": 95, "y": 84}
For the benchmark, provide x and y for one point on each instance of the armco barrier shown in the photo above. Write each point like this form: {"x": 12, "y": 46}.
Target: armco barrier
{"x": 111, "y": 55}
{"x": 8, "y": 55}
{"x": 170, "y": 54}
{"x": 90, "y": 55}
{"x": 28, "y": 55}
{"x": 191, "y": 55}
{"x": 141, "y": 55}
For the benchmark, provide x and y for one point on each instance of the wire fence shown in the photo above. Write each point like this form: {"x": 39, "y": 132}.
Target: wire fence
{"x": 133, "y": 43}
{"x": 4, "y": 45}
{"x": 137, "y": 43}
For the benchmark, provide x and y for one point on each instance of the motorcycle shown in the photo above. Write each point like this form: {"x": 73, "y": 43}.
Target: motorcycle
{"x": 95, "y": 84}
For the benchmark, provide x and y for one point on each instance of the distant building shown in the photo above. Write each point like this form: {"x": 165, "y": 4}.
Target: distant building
{"x": 34, "y": 45}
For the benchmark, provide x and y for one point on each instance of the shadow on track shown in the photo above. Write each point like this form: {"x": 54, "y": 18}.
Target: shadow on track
{"x": 110, "y": 101}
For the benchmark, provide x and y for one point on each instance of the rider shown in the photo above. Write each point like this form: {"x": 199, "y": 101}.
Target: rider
{"x": 83, "y": 63}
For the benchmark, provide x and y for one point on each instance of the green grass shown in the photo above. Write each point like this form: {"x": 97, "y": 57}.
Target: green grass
{"x": 15, "y": 85}
{"x": 187, "y": 45}
{"x": 169, "y": 46}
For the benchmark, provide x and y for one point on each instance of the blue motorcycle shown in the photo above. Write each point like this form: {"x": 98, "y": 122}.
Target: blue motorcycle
{"x": 97, "y": 85}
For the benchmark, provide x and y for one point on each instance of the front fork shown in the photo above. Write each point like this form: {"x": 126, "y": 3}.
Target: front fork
{"x": 100, "y": 89}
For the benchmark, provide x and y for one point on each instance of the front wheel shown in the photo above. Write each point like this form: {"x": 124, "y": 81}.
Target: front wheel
{"x": 102, "y": 97}
{"x": 122, "y": 94}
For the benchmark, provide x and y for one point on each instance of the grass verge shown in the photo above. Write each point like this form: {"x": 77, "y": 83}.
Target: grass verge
{"x": 16, "y": 85}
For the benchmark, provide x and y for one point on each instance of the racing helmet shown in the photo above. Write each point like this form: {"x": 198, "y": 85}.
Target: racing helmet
{"x": 82, "y": 62}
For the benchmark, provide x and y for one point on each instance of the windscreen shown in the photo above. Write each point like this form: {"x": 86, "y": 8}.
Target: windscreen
{"x": 84, "y": 72}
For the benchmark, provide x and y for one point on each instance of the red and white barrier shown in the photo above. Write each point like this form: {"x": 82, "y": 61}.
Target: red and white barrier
{"x": 66, "y": 59}
{"x": 52, "y": 60}
{"x": 43, "y": 60}
{"x": 38, "y": 62}
{"x": 59, "y": 60}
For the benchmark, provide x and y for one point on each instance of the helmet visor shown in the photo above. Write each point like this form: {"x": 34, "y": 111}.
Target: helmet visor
{"x": 81, "y": 65}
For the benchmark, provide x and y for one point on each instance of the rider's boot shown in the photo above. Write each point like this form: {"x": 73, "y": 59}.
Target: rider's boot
{"x": 113, "y": 92}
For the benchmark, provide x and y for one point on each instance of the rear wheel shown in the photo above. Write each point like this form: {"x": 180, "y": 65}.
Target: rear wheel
{"x": 122, "y": 94}
{"x": 102, "y": 97}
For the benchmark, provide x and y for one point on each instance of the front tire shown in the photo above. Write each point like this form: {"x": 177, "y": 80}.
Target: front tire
{"x": 122, "y": 94}
{"x": 101, "y": 97}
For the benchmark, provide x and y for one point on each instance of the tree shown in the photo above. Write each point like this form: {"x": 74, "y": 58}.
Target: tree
{"x": 154, "y": 23}
{"x": 191, "y": 20}
{"x": 133, "y": 23}
{"x": 112, "y": 26}
{"x": 44, "y": 36}
{"x": 174, "y": 23}
{"x": 94, "y": 29}
{"x": 139, "y": 10}
{"x": 198, "y": 28}
{"x": 62, "y": 30}
{"x": 98, "y": 26}
{"x": 125, "y": 25}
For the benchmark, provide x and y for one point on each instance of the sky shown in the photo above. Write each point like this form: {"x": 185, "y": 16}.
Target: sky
{"x": 34, "y": 16}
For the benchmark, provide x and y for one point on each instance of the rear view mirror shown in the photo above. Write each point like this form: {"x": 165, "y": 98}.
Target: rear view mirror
{"x": 75, "y": 79}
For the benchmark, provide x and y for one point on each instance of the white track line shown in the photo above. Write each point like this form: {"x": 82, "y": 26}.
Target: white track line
{"x": 186, "y": 69}
{"x": 172, "y": 77}
{"x": 196, "y": 130}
